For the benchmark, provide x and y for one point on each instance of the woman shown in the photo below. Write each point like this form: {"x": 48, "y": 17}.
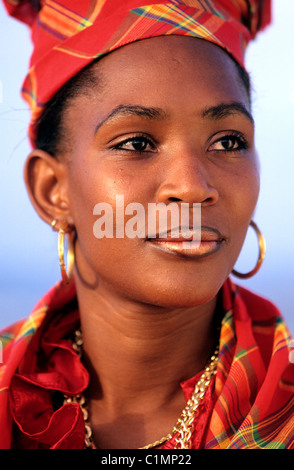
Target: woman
{"x": 112, "y": 355}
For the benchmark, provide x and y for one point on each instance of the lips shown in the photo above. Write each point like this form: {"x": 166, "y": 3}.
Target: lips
{"x": 189, "y": 243}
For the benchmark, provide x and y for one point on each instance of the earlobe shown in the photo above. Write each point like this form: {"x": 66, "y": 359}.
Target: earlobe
{"x": 46, "y": 182}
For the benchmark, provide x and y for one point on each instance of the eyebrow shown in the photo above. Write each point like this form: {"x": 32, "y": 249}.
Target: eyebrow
{"x": 219, "y": 111}
{"x": 131, "y": 110}
{"x": 224, "y": 110}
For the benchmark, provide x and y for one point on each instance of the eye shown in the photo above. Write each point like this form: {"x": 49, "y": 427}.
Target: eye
{"x": 137, "y": 144}
{"x": 229, "y": 143}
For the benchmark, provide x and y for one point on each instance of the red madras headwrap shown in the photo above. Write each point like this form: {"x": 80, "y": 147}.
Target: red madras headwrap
{"x": 70, "y": 34}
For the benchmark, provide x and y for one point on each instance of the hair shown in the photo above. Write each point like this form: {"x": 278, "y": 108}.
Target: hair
{"x": 51, "y": 136}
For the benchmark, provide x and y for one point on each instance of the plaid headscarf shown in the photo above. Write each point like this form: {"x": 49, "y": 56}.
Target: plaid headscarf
{"x": 69, "y": 34}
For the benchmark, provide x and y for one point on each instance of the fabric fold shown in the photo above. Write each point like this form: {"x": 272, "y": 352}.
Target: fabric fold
{"x": 249, "y": 405}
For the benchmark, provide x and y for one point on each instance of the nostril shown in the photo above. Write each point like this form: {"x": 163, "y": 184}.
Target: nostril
{"x": 208, "y": 200}
{"x": 175, "y": 199}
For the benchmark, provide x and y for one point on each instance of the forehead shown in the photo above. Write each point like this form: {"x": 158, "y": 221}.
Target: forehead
{"x": 181, "y": 64}
{"x": 182, "y": 76}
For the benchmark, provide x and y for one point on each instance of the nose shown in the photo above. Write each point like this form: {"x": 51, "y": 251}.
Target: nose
{"x": 188, "y": 178}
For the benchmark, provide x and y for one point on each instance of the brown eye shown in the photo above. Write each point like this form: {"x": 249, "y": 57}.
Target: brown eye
{"x": 229, "y": 143}
{"x": 139, "y": 144}
{"x": 136, "y": 144}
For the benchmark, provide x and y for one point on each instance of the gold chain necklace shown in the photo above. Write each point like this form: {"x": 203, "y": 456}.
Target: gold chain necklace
{"x": 182, "y": 429}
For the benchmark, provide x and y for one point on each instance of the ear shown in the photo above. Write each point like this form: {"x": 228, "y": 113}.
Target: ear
{"x": 46, "y": 182}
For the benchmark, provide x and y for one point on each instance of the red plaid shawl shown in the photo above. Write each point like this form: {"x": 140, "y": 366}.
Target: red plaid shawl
{"x": 251, "y": 402}
{"x": 69, "y": 34}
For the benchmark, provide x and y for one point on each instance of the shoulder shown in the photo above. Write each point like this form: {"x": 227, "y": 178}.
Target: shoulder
{"x": 7, "y": 339}
{"x": 246, "y": 304}
{"x": 268, "y": 326}
{"x": 259, "y": 308}
{"x": 18, "y": 336}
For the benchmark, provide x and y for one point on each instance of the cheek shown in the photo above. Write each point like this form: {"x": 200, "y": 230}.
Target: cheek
{"x": 239, "y": 184}
{"x": 101, "y": 186}
{"x": 246, "y": 189}
{"x": 93, "y": 182}
{"x": 241, "y": 195}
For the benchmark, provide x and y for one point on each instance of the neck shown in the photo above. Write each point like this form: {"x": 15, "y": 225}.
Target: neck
{"x": 137, "y": 355}
{"x": 135, "y": 343}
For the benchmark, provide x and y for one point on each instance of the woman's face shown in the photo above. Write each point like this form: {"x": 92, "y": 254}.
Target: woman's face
{"x": 169, "y": 121}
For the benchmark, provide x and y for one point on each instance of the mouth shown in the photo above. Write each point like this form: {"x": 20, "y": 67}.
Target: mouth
{"x": 187, "y": 243}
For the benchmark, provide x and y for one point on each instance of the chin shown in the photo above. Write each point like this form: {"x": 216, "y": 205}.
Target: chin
{"x": 178, "y": 294}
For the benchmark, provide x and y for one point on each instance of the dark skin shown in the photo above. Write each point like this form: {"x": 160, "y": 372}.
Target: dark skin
{"x": 147, "y": 314}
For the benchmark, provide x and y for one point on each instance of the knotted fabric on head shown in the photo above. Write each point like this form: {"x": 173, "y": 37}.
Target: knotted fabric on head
{"x": 69, "y": 34}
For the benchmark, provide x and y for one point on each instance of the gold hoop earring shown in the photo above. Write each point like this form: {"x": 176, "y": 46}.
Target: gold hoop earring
{"x": 66, "y": 273}
{"x": 261, "y": 254}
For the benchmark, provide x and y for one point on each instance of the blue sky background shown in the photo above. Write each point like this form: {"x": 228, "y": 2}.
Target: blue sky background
{"x": 28, "y": 247}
